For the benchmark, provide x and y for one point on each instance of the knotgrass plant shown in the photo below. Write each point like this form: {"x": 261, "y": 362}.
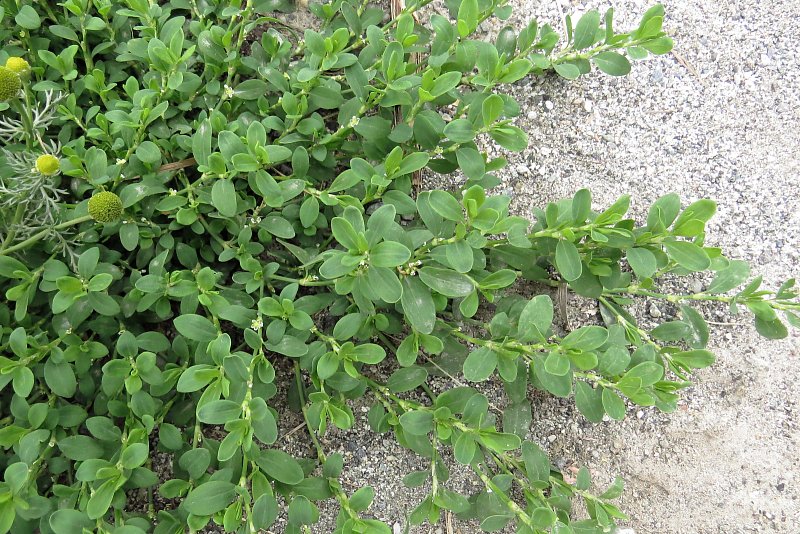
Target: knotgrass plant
{"x": 195, "y": 193}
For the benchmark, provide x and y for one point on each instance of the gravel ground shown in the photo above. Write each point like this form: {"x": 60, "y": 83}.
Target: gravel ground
{"x": 717, "y": 119}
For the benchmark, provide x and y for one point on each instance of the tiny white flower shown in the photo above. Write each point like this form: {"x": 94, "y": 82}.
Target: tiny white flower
{"x": 172, "y": 192}
{"x": 353, "y": 122}
{"x": 256, "y": 323}
{"x": 228, "y": 91}
{"x": 121, "y": 161}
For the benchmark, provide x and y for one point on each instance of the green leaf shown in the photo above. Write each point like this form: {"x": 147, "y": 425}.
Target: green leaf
{"x": 385, "y": 283}
{"x": 309, "y": 211}
{"x": 368, "y": 353}
{"x": 60, "y": 378}
{"x": 567, "y": 70}
{"x": 413, "y": 162}
{"x": 195, "y": 327}
{"x": 589, "y": 401}
{"x": 695, "y": 359}
{"x": 219, "y": 412}
{"x": 418, "y": 304}
{"x": 467, "y": 20}
{"x": 223, "y": 196}
{"x": 557, "y": 364}
{"x": 613, "y": 404}
{"x": 691, "y": 221}
{"x": 417, "y": 422}
{"x": 586, "y": 338}
{"x": 480, "y": 364}
{"x": 774, "y": 329}
{"x": 265, "y": 511}
{"x": 201, "y": 142}
{"x": 459, "y": 131}
{"x": 446, "y": 281}
{"x": 80, "y": 448}
{"x": 734, "y": 275}
{"x": 195, "y": 462}
{"x": 612, "y": 63}
{"x": 250, "y": 89}
{"x": 537, "y": 464}
{"x": 134, "y": 455}
{"x": 560, "y": 386}
{"x": 148, "y": 153}
{"x": 535, "y": 319}
{"x": 648, "y": 372}
{"x": 568, "y": 260}
{"x": 374, "y": 127}
{"x": 688, "y": 255}
{"x": 344, "y": 233}
{"x": 210, "y": 497}
{"x": 471, "y": 162}
{"x": 408, "y": 350}
{"x": 510, "y": 137}
{"x": 445, "y": 83}
{"x": 280, "y": 466}
{"x": 642, "y": 261}
{"x": 446, "y": 205}
{"x": 28, "y": 18}
{"x": 66, "y": 521}
{"x": 585, "y": 34}
{"x": 407, "y": 378}
{"x": 517, "y": 418}
{"x": 491, "y": 109}
{"x": 389, "y": 254}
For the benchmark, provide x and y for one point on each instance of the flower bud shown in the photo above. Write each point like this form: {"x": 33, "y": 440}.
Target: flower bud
{"x": 47, "y": 164}
{"x": 10, "y": 84}
{"x": 18, "y": 65}
{"x": 105, "y": 207}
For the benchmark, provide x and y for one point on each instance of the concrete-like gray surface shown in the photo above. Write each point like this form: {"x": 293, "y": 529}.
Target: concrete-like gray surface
{"x": 720, "y": 119}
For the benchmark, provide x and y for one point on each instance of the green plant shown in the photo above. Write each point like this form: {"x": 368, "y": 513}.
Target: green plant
{"x": 255, "y": 194}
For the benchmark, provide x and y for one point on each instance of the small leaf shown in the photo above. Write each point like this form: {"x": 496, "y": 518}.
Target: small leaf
{"x": 280, "y": 466}
{"x": 210, "y": 497}
{"x": 446, "y": 281}
{"x": 612, "y": 63}
{"x": 688, "y": 255}
{"x": 586, "y": 30}
{"x": 568, "y": 260}
{"x": 389, "y": 254}
{"x": 223, "y": 196}
{"x": 480, "y": 364}
{"x": 195, "y": 327}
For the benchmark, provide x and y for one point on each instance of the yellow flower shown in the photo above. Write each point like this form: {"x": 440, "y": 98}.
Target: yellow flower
{"x": 10, "y": 84}
{"x": 47, "y": 164}
{"x": 105, "y": 207}
{"x": 18, "y": 65}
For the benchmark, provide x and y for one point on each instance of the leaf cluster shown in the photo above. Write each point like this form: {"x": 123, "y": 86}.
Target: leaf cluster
{"x": 272, "y": 240}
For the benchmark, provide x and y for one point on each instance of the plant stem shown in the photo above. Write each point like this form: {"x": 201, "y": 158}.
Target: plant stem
{"x": 38, "y": 236}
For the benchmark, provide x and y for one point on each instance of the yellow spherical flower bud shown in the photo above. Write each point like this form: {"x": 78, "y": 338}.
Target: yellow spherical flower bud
{"x": 18, "y": 65}
{"x": 10, "y": 84}
{"x": 105, "y": 207}
{"x": 47, "y": 164}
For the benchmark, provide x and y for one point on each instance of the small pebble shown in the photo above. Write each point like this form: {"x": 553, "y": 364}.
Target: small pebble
{"x": 654, "y": 311}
